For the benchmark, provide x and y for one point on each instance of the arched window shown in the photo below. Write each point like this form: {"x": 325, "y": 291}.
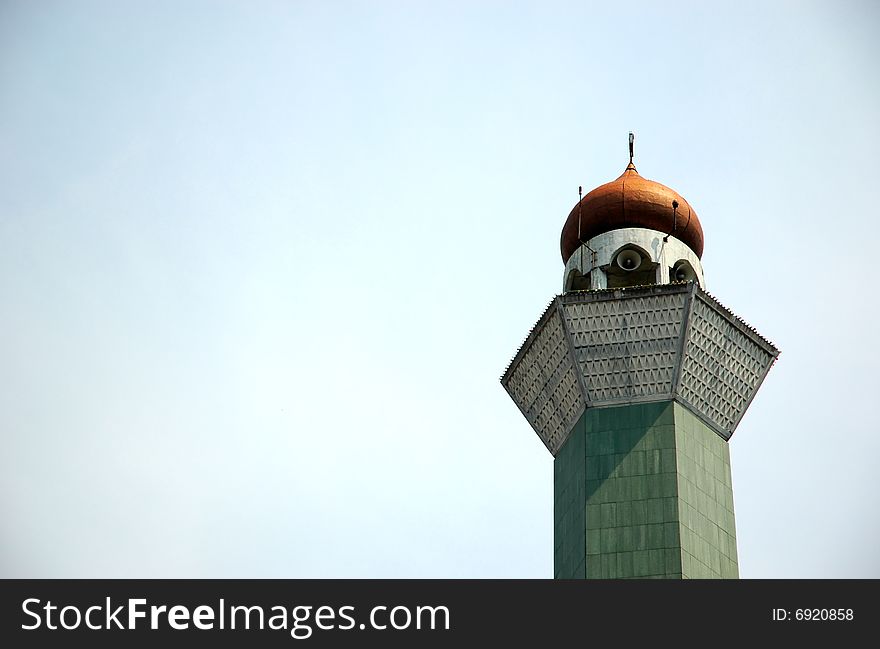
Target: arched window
{"x": 577, "y": 281}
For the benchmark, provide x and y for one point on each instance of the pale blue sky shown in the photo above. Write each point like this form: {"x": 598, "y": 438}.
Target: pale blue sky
{"x": 262, "y": 264}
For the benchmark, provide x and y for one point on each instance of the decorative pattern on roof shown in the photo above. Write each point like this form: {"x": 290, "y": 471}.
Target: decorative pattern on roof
{"x": 622, "y": 346}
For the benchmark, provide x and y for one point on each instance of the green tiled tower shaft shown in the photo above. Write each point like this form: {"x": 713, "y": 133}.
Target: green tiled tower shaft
{"x": 643, "y": 490}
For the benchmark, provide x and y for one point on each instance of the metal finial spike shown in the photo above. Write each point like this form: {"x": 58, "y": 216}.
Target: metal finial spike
{"x": 632, "y": 139}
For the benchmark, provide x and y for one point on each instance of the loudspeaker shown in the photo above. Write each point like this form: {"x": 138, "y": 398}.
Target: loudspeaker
{"x": 629, "y": 260}
{"x": 682, "y": 272}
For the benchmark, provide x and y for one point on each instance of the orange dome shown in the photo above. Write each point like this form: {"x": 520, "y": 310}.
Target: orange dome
{"x": 631, "y": 202}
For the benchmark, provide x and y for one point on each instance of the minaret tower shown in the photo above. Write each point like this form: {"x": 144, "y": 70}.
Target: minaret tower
{"x": 635, "y": 378}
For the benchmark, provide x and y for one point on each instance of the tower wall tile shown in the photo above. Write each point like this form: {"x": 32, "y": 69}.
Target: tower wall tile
{"x": 643, "y": 491}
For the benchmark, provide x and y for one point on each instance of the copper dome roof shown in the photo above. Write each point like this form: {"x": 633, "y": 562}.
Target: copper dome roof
{"x": 631, "y": 202}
